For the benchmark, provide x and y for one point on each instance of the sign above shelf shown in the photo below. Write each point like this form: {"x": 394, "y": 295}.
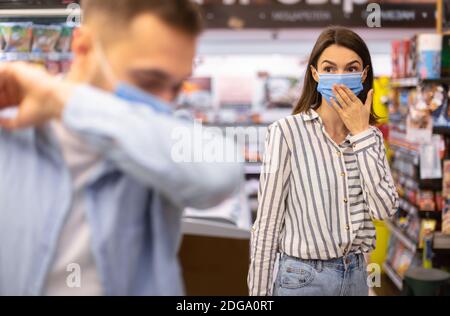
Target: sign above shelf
{"x": 277, "y": 14}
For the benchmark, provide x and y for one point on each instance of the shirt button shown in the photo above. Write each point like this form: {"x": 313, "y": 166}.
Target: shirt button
{"x": 338, "y": 153}
{"x": 343, "y": 174}
{"x": 345, "y": 201}
{"x": 354, "y": 145}
{"x": 347, "y": 227}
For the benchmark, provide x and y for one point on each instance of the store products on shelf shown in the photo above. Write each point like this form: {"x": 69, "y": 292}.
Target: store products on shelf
{"x": 445, "y": 71}
{"x": 446, "y": 198}
{"x": 65, "y": 39}
{"x": 428, "y": 226}
{"x": 45, "y": 45}
{"x": 446, "y": 217}
{"x": 446, "y": 180}
{"x": 17, "y": 36}
{"x": 429, "y": 48}
{"x": 427, "y": 255}
{"x": 45, "y": 38}
{"x": 281, "y": 92}
{"x": 426, "y": 201}
{"x": 399, "y": 257}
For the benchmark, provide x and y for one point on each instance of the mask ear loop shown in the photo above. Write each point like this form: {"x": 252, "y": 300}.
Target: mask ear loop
{"x": 105, "y": 67}
{"x": 364, "y": 74}
{"x": 316, "y": 106}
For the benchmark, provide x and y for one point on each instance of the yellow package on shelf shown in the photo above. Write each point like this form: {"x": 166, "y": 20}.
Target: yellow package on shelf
{"x": 381, "y": 94}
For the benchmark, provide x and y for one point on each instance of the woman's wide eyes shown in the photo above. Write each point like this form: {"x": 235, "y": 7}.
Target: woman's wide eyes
{"x": 332, "y": 69}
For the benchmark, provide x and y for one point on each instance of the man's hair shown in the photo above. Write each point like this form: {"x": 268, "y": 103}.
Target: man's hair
{"x": 181, "y": 14}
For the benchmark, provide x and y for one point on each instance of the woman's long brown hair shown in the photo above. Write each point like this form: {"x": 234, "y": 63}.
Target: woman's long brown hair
{"x": 342, "y": 37}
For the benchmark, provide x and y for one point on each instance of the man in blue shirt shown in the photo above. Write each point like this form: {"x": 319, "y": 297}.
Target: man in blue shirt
{"x": 91, "y": 195}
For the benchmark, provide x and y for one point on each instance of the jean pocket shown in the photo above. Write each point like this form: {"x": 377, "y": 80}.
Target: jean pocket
{"x": 296, "y": 274}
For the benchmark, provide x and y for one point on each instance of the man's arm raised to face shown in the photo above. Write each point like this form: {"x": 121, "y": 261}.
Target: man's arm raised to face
{"x": 136, "y": 138}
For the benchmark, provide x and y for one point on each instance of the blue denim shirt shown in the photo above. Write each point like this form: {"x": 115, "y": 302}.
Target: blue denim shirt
{"x": 134, "y": 200}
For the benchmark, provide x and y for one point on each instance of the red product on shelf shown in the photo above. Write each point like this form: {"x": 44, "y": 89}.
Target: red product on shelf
{"x": 446, "y": 180}
{"x": 426, "y": 201}
{"x": 439, "y": 201}
{"x": 446, "y": 217}
{"x": 396, "y": 59}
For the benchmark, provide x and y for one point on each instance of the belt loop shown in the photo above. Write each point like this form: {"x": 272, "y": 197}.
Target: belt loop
{"x": 319, "y": 266}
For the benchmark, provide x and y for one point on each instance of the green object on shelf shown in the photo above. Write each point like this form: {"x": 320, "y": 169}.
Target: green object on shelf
{"x": 426, "y": 282}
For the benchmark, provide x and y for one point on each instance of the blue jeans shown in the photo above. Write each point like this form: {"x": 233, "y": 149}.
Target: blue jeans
{"x": 345, "y": 276}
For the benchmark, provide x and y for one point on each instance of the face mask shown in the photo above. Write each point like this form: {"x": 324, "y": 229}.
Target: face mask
{"x": 133, "y": 94}
{"x": 327, "y": 81}
{"x": 129, "y": 92}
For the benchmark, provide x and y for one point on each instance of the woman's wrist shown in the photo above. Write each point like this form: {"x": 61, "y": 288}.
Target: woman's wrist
{"x": 356, "y": 132}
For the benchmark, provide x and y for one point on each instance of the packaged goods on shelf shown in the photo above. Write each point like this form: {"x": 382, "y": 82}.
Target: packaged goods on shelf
{"x": 281, "y": 92}
{"x": 45, "y": 38}
{"x": 445, "y": 71}
{"x": 44, "y": 45}
{"x": 65, "y": 40}
{"x": 428, "y": 226}
{"x": 17, "y": 36}
{"x": 426, "y": 201}
{"x": 446, "y": 217}
{"x": 429, "y": 48}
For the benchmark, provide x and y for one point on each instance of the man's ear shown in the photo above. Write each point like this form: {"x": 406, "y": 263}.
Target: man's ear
{"x": 82, "y": 42}
{"x": 365, "y": 72}
{"x": 314, "y": 73}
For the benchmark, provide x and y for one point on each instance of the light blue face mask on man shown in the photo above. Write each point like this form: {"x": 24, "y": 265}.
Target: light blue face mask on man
{"x": 133, "y": 94}
{"x": 352, "y": 81}
{"x": 130, "y": 92}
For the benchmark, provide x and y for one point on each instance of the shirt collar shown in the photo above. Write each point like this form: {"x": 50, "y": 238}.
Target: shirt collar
{"x": 310, "y": 115}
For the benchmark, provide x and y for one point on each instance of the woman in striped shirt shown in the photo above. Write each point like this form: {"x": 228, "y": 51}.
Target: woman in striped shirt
{"x": 325, "y": 179}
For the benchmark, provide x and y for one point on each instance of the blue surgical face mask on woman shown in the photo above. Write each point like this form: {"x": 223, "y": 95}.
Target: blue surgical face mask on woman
{"x": 353, "y": 81}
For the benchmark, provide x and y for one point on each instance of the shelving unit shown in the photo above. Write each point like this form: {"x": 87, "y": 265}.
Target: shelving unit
{"x": 413, "y": 82}
{"x": 23, "y": 13}
{"x": 395, "y": 278}
{"x": 404, "y": 248}
{"x": 397, "y": 232}
{"x": 253, "y": 168}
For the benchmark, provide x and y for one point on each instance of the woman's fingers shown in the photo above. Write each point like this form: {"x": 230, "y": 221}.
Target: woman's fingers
{"x": 337, "y": 107}
{"x": 342, "y": 97}
{"x": 369, "y": 99}
{"x": 338, "y": 98}
{"x": 350, "y": 94}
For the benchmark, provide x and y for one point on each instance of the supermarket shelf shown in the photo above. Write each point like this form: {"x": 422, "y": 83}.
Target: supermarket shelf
{"x": 441, "y": 241}
{"x": 408, "y": 206}
{"x": 442, "y": 130}
{"x": 405, "y": 83}
{"x": 253, "y": 168}
{"x": 411, "y": 208}
{"x": 414, "y": 82}
{"x": 400, "y": 235}
{"x": 430, "y": 214}
{"x": 207, "y": 228}
{"x": 20, "y": 13}
{"x": 395, "y": 278}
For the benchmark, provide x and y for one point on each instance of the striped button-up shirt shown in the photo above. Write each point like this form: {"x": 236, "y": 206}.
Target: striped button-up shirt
{"x": 317, "y": 199}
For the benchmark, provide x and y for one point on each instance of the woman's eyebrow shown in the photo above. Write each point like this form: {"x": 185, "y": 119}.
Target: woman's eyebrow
{"x": 353, "y": 62}
{"x": 329, "y": 62}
